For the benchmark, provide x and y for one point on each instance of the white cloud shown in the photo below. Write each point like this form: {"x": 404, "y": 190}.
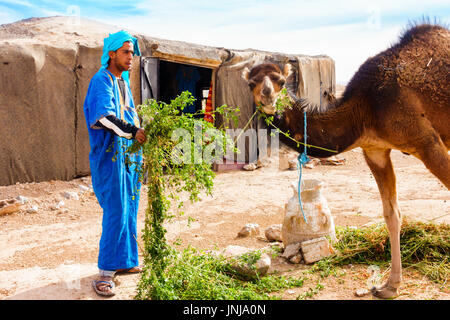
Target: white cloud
{"x": 348, "y": 31}
{"x": 349, "y": 44}
{"x": 19, "y": 3}
{"x": 8, "y": 16}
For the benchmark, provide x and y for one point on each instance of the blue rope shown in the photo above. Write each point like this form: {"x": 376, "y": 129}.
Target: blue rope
{"x": 302, "y": 160}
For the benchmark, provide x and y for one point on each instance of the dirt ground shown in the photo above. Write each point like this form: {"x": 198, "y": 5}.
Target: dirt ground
{"x": 52, "y": 254}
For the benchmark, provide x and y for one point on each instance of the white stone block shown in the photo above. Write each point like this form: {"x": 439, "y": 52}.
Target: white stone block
{"x": 83, "y": 188}
{"x": 33, "y": 209}
{"x": 22, "y": 199}
{"x": 71, "y": 195}
{"x": 315, "y": 249}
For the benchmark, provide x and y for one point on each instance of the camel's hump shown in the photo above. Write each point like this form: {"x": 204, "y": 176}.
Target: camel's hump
{"x": 421, "y": 31}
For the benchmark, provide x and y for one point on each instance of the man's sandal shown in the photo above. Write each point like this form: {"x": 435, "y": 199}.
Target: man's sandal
{"x": 104, "y": 283}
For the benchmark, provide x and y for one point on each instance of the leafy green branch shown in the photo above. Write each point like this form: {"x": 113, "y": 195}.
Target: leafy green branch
{"x": 284, "y": 102}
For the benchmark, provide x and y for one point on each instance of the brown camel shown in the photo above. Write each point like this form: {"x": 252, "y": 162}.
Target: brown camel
{"x": 398, "y": 99}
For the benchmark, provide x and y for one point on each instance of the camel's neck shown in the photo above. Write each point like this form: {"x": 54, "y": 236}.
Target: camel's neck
{"x": 335, "y": 129}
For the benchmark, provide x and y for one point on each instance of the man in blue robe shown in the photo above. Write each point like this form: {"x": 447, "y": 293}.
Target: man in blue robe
{"x": 112, "y": 124}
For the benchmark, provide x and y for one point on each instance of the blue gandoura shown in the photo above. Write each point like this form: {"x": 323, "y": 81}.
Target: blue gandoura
{"x": 112, "y": 124}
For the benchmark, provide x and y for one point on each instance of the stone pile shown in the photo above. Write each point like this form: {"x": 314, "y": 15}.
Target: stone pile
{"x": 308, "y": 251}
{"x": 57, "y": 203}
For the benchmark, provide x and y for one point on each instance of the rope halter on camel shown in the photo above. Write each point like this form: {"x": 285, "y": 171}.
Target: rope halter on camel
{"x": 302, "y": 160}
{"x": 303, "y": 157}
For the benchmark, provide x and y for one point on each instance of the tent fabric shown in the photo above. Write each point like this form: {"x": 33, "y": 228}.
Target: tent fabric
{"x": 183, "y": 52}
{"x": 315, "y": 75}
{"x": 37, "y": 115}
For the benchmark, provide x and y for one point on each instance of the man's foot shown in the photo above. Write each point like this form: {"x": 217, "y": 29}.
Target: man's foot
{"x": 104, "y": 286}
{"x": 137, "y": 269}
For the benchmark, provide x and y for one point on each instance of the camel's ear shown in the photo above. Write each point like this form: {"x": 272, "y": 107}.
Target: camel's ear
{"x": 287, "y": 70}
{"x": 246, "y": 74}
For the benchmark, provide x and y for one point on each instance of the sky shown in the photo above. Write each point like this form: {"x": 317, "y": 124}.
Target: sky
{"x": 348, "y": 31}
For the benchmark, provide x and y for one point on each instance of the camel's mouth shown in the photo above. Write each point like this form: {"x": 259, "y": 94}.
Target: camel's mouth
{"x": 267, "y": 104}
{"x": 268, "y": 109}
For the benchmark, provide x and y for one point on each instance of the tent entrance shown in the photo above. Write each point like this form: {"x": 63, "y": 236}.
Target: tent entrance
{"x": 165, "y": 80}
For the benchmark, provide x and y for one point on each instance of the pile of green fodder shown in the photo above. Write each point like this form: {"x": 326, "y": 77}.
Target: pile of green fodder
{"x": 424, "y": 246}
{"x": 198, "y": 275}
{"x": 178, "y": 157}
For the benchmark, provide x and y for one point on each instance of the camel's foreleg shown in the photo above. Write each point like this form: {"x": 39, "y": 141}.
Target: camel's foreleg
{"x": 434, "y": 155}
{"x": 380, "y": 164}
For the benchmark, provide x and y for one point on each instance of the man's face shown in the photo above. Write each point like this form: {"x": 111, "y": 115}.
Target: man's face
{"x": 122, "y": 57}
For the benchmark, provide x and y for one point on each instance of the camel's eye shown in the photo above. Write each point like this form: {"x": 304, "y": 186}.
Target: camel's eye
{"x": 252, "y": 85}
{"x": 274, "y": 77}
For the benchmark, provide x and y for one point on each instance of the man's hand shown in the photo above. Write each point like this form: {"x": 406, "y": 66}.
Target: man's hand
{"x": 140, "y": 136}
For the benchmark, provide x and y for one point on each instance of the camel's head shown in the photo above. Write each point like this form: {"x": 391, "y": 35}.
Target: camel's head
{"x": 266, "y": 81}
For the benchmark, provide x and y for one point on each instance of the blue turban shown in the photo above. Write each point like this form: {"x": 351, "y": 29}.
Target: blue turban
{"x": 115, "y": 41}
